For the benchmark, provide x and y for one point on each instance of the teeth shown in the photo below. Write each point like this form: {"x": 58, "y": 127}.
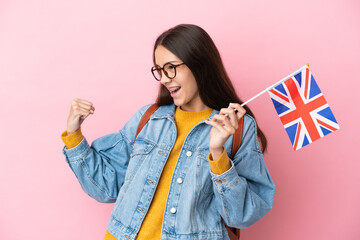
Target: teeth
{"x": 173, "y": 89}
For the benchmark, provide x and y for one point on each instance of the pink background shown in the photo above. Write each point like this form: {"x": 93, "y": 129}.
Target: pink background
{"x": 54, "y": 51}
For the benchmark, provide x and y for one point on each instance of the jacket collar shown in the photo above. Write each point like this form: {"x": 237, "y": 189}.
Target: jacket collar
{"x": 168, "y": 111}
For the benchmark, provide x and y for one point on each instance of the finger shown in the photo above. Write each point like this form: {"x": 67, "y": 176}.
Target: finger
{"x": 220, "y": 119}
{"x": 82, "y": 108}
{"x": 76, "y": 104}
{"x": 232, "y": 116}
{"x": 85, "y": 106}
{"x": 240, "y": 110}
{"x": 223, "y": 132}
{"x": 78, "y": 111}
{"x": 216, "y": 125}
{"x": 225, "y": 123}
{"x": 84, "y": 115}
{"x": 83, "y": 101}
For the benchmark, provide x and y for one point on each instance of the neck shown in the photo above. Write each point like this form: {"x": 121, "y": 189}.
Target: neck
{"x": 195, "y": 108}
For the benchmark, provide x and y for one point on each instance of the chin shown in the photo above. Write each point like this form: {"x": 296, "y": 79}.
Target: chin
{"x": 177, "y": 103}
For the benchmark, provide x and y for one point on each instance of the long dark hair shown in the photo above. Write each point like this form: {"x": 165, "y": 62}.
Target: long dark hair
{"x": 195, "y": 48}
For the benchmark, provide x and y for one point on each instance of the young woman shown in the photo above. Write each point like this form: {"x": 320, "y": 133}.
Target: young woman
{"x": 175, "y": 180}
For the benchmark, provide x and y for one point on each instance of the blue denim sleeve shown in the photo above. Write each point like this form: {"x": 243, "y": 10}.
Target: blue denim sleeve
{"x": 244, "y": 193}
{"x": 101, "y": 167}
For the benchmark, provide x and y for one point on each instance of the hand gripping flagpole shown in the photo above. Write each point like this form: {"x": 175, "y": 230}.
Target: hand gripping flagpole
{"x": 274, "y": 85}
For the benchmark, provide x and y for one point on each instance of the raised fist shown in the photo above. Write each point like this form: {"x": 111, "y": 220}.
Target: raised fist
{"x": 80, "y": 109}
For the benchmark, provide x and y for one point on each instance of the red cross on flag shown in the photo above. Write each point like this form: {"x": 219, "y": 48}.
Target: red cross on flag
{"x": 302, "y": 109}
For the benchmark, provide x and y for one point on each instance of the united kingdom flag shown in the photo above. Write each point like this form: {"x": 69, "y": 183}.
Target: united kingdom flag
{"x": 303, "y": 109}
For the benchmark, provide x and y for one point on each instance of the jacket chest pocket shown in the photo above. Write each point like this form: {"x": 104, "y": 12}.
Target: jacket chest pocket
{"x": 141, "y": 153}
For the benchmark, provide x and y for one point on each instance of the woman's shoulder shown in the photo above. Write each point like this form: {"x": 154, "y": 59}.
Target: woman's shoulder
{"x": 163, "y": 110}
{"x": 249, "y": 135}
{"x": 144, "y": 108}
{"x": 249, "y": 122}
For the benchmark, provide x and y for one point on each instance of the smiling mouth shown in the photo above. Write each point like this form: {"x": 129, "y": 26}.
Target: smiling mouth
{"x": 173, "y": 90}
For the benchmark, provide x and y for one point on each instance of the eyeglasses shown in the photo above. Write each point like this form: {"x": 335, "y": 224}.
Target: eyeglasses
{"x": 169, "y": 70}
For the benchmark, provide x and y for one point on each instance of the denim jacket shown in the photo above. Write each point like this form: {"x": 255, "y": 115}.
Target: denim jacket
{"x": 116, "y": 168}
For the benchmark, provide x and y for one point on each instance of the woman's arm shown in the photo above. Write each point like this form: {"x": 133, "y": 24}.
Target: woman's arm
{"x": 100, "y": 168}
{"x": 244, "y": 193}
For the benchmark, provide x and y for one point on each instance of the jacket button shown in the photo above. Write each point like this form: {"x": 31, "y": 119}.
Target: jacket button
{"x": 218, "y": 182}
{"x": 173, "y": 210}
{"x": 141, "y": 209}
{"x": 189, "y": 154}
{"x": 149, "y": 181}
{"x": 179, "y": 180}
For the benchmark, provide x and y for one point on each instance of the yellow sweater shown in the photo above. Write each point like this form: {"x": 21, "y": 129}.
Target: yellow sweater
{"x": 185, "y": 121}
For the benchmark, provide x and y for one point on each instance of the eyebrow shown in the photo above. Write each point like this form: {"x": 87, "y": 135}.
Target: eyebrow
{"x": 168, "y": 62}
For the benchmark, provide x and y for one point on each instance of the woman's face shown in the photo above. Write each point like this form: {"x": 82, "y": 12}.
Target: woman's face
{"x": 183, "y": 88}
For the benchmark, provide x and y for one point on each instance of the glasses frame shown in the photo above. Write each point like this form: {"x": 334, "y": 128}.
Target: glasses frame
{"x": 162, "y": 70}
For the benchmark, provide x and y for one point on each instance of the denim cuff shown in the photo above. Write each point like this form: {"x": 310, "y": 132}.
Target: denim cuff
{"x": 227, "y": 179}
{"x": 78, "y": 152}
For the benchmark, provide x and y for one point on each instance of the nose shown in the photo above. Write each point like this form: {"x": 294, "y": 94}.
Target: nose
{"x": 164, "y": 79}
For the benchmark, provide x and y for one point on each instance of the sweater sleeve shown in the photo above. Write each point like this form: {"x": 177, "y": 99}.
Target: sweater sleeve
{"x": 220, "y": 165}
{"x": 73, "y": 139}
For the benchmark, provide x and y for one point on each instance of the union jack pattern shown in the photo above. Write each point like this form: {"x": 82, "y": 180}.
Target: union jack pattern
{"x": 303, "y": 109}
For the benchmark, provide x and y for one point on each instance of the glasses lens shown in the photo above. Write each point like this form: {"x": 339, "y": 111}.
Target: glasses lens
{"x": 170, "y": 70}
{"x": 156, "y": 71}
